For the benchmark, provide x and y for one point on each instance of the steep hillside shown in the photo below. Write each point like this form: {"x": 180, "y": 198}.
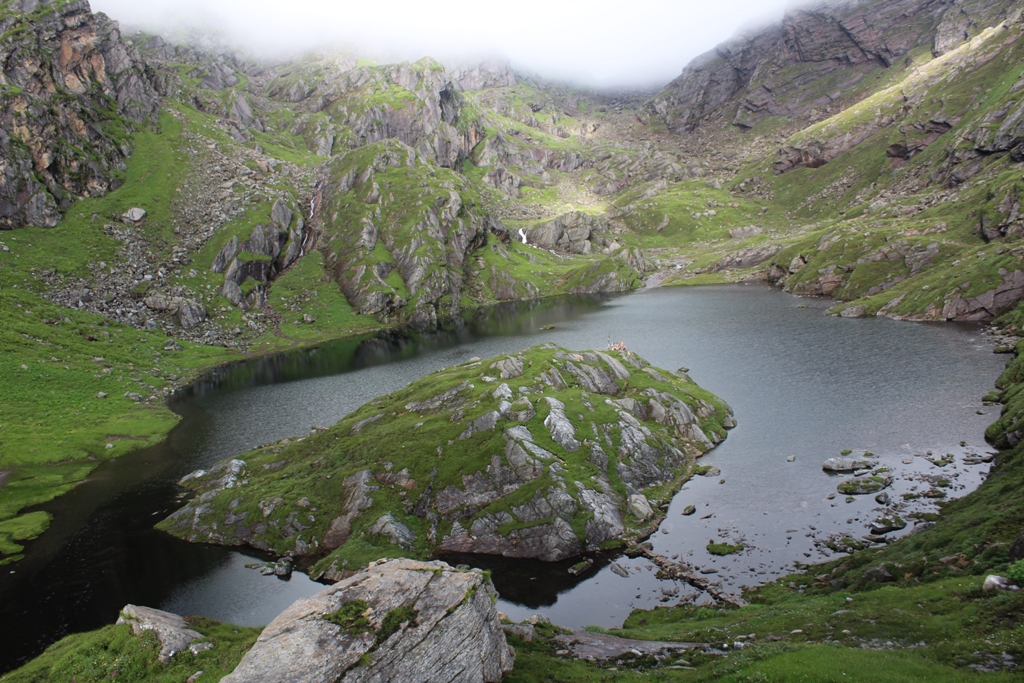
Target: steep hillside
{"x": 71, "y": 92}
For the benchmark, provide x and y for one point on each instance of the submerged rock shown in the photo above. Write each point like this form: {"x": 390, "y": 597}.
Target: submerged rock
{"x": 860, "y": 486}
{"x": 398, "y": 620}
{"x": 532, "y": 467}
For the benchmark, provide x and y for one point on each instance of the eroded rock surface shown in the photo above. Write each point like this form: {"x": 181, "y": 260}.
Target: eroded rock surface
{"x": 398, "y": 620}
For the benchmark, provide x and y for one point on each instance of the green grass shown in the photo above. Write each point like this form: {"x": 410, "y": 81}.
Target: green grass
{"x": 114, "y": 653}
{"x": 54, "y": 362}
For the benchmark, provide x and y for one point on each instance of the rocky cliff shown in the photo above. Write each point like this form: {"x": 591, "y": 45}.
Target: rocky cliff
{"x": 71, "y": 90}
{"x": 817, "y": 61}
{"x": 544, "y": 454}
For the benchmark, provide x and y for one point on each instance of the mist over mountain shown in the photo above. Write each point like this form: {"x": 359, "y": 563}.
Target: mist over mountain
{"x": 596, "y": 44}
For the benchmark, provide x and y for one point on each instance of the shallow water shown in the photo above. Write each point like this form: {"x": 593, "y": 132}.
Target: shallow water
{"x": 802, "y": 384}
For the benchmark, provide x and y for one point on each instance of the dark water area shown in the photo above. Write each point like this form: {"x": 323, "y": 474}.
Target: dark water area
{"x": 802, "y": 384}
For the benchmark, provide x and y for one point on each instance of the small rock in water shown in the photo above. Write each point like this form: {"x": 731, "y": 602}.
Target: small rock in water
{"x": 791, "y": 458}
{"x": 689, "y": 510}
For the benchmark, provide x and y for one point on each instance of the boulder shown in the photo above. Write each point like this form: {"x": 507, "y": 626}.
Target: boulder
{"x": 639, "y": 507}
{"x": 885, "y": 525}
{"x": 878, "y": 574}
{"x": 172, "y": 630}
{"x": 398, "y": 620}
{"x": 1017, "y": 548}
{"x": 844, "y": 465}
{"x": 132, "y": 216}
{"x": 1001, "y": 583}
{"x": 398, "y": 533}
{"x": 860, "y": 486}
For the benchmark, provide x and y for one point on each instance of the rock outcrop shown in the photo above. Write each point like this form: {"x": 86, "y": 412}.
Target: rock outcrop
{"x": 545, "y": 454}
{"x": 70, "y": 90}
{"x": 812, "y": 62}
{"x": 401, "y": 255}
{"x": 172, "y": 630}
{"x": 270, "y": 249}
{"x": 398, "y": 620}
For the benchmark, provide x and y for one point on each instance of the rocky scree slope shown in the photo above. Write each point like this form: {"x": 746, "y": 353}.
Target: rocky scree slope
{"x": 543, "y": 454}
{"x": 71, "y": 91}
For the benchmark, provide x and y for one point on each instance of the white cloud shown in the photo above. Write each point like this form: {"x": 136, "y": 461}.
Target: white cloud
{"x": 598, "y": 43}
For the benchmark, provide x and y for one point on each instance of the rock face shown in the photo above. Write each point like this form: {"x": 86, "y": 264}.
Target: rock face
{"x": 398, "y": 620}
{"x": 269, "y": 250}
{"x": 419, "y": 104}
{"x": 814, "y": 59}
{"x": 69, "y": 91}
{"x": 544, "y": 454}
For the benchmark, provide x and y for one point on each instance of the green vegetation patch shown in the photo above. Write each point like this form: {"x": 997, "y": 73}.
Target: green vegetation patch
{"x": 115, "y": 653}
{"x": 724, "y": 548}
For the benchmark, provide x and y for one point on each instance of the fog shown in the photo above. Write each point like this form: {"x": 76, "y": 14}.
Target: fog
{"x": 640, "y": 43}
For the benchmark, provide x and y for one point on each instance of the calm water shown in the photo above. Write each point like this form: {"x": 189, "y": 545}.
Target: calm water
{"x": 802, "y": 384}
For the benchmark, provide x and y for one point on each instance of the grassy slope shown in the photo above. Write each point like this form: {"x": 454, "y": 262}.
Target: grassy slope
{"x": 55, "y": 361}
{"x": 114, "y": 653}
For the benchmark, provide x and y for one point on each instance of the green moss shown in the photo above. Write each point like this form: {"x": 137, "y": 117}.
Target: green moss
{"x": 724, "y": 548}
{"x": 352, "y": 617}
{"x": 393, "y": 621}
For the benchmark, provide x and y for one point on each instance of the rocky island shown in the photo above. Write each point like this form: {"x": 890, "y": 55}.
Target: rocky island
{"x": 542, "y": 454}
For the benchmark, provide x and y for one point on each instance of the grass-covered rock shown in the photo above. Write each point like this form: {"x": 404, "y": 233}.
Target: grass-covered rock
{"x": 542, "y": 454}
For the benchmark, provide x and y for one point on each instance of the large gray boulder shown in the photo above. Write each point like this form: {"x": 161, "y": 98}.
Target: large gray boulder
{"x": 172, "y": 630}
{"x": 398, "y": 620}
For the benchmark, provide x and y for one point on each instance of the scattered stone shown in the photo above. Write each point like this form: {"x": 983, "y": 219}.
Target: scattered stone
{"x": 619, "y": 570}
{"x": 602, "y": 647}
